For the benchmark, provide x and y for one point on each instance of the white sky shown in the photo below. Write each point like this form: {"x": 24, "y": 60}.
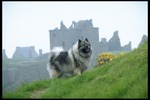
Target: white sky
{"x": 28, "y": 23}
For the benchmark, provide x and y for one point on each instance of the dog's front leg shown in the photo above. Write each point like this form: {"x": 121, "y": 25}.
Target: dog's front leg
{"x": 77, "y": 71}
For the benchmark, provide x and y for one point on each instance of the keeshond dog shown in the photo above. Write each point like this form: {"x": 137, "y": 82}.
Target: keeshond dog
{"x": 72, "y": 62}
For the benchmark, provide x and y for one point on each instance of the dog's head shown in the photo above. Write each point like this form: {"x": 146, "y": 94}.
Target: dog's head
{"x": 84, "y": 47}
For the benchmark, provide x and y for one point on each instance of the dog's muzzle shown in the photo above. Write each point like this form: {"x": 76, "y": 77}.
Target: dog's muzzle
{"x": 86, "y": 49}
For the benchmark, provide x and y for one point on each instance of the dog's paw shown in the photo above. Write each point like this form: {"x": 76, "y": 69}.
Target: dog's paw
{"x": 67, "y": 75}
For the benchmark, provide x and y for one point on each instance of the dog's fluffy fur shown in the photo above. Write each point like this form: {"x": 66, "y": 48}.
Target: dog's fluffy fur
{"x": 71, "y": 62}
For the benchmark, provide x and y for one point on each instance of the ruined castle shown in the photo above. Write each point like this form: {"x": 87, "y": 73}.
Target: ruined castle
{"x": 82, "y": 29}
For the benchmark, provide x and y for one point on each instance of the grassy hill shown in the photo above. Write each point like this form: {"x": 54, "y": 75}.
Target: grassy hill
{"x": 123, "y": 77}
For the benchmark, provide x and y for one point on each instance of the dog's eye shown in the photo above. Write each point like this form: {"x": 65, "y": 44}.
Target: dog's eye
{"x": 89, "y": 45}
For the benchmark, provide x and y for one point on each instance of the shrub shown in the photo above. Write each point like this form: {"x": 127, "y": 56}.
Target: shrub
{"x": 106, "y": 57}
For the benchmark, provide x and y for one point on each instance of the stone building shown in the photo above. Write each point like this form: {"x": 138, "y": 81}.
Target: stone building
{"x": 25, "y": 52}
{"x": 66, "y": 37}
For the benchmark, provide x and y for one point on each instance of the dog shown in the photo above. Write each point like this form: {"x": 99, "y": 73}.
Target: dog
{"x": 72, "y": 62}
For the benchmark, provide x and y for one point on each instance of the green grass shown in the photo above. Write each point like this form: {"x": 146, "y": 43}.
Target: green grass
{"x": 123, "y": 77}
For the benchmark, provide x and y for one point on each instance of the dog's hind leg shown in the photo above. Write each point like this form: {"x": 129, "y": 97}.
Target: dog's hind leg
{"x": 58, "y": 66}
{"x": 55, "y": 73}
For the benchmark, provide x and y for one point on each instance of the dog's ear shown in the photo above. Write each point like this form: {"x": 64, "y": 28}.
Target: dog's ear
{"x": 86, "y": 40}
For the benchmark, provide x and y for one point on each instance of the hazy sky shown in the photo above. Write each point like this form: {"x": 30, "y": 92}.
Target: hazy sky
{"x": 28, "y": 23}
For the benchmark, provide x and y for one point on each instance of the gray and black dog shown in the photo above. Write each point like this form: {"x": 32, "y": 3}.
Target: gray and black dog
{"x": 71, "y": 62}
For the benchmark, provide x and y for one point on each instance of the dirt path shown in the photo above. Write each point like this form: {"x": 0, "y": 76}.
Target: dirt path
{"x": 38, "y": 93}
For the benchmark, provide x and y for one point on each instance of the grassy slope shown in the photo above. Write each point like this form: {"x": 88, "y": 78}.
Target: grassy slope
{"x": 123, "y": 77}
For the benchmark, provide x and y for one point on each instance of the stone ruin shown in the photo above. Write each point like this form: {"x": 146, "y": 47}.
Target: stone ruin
{"x": 81, "y": 24}
{"x": 82, "y": 29}
{"x": 114, "y": 44}
{"x": 25, "y": 52}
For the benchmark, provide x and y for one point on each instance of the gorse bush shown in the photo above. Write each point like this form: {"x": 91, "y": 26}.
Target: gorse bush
{"x": 106, "y": 57}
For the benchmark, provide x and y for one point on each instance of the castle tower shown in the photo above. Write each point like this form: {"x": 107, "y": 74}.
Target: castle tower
{"x": 40, "y": 52}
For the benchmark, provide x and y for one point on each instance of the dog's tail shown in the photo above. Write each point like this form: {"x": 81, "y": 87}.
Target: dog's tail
{"x": 52, "y": 56}
{"x": 57, "y": 49}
